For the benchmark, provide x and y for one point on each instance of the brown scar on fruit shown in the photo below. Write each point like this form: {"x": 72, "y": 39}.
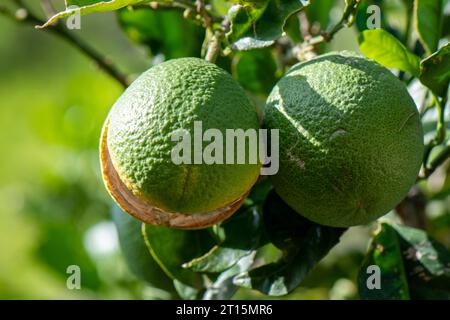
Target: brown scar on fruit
{"x": 144, "y": 211}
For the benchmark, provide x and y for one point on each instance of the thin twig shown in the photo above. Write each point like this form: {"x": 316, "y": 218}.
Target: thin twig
{"x": 346, "y": 20}
{"x": 214, "y": 47}
{"x": 307, "y": 51}
{"x": 439, "y": 137}
{"x": 203, "y": 14}
{"x": 437, "y": 161}
{"x": 60, "y": 30}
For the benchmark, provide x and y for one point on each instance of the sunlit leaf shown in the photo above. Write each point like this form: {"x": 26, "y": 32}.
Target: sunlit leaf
{"x": 435, "y": 71}
{"x": 89, "y": 6}
{"x": 243, "y": 17}
{"x": 428, "y": 21}
{"x": 384, "y": 48}
{"x": 61, "y": 246}
{"x": 257, "y": 24}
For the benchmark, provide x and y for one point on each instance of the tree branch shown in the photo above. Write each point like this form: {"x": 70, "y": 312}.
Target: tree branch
{"x": 214, "y": 47}
{"x": 346, "y": 20}
{"x": 60, "y": 30}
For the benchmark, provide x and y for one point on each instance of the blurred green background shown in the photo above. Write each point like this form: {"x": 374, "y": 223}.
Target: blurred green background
{"x": 54, "y": 209}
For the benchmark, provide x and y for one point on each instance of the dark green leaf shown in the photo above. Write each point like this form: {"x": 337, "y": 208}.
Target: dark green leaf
{"x": 302, "y": 249}
{"x": 384, "y": 252}
{"x": 186, "y": 292}
{"x": 428, "y": 21}
{"x": 435, "y": 71}
{"x": 292, "y": 29}
{"x": 319, "y": 12}
{"x": 257, "y": 24}
{"x": 256, "y": 70}
{"x": 412, "y": 265}
{"x": 135, "y": 251}
{"x": 260, "y": 190}
{"x": 241, "y": 235}
{"x": 162, "y": 31}
{"x": 223, "y": 287}
{"x": 171, "y": 248}
{"x": 427, "y": 263}
{"x": 384, "y": 48}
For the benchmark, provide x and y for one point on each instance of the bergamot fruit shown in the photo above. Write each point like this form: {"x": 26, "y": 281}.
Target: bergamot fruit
{"x": 350, "y": 139}
{"x": 137, "y": 143}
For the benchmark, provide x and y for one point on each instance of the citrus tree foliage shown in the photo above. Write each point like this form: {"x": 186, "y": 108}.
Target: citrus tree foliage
{"x": 257, "y": 41}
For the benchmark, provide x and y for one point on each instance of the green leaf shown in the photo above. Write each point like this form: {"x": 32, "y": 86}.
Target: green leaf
{"x": 81, "y": 3}
{"x": 162, "y": 31}
{"x": 256, "y": 70}
{"x": 257, "y": 24}
{"x": 292, "y": 29}
{"x": 171, "y": 248}
{"x": 238, "y": 236}
{"x": 223, "y": 287}
{"x": 89, "y": 6}
{"x": 309, "y": 244}
{"x": 243, "y": 17}
{"x": 260, "y": 191}
{"x": 241, "y": 235}
{"x": 428, "y": 22}
{"x": 412, "y": 265}
{"x": 384, "y": 48}
{"x": 427, "y": 263}
{"x": 186, "y": 292}
{"x": 135, "y": 251}
{"x": 320, "y": 12}
{"x": 384, "y": 252}
{"x": 435, "y": 71}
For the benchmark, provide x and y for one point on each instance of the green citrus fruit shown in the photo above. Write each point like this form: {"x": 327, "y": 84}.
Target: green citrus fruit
{"x": 350, "y": 139}
{"x": 137, "y": 144}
